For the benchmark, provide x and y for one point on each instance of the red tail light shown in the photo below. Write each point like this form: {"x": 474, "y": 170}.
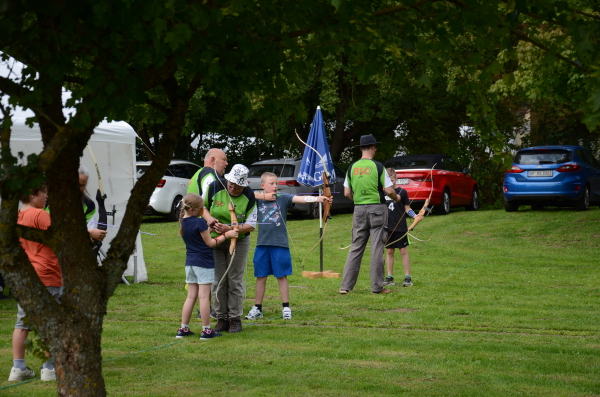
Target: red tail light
{"x": 514, "y": 170}
{"x": 569, "y": 168}
{"x": 162, "y": 183}
{"x": 289, "y": 183}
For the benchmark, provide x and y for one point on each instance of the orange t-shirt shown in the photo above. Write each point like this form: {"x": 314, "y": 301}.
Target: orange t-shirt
{"x": 41, "y": 256}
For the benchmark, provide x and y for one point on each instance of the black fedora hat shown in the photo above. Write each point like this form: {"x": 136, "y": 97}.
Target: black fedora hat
{"x": 367, "y": 140}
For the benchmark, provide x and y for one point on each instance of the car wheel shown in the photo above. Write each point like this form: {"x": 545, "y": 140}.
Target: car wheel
{"x": 583, "y": 204}
{"x": 510, "y": 206}
{"x": 314, "y": 212}
{"x": 537, "y": 207}
{"x": 444, "y": 208}
{"x": 474, "y": 206}
{"x": 174, "y": 214}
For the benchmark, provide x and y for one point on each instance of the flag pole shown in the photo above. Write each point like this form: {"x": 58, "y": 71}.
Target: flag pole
{"x": 321, "y": 231}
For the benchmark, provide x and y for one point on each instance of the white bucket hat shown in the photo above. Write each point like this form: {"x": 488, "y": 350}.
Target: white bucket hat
{"x": 238, "y": 175}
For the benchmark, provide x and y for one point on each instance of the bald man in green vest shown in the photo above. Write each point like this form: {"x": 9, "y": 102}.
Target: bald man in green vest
{"x": 215, "y": 162}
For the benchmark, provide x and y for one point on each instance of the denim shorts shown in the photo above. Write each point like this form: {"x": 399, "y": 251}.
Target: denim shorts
{"x": 269, "y": 260}
{"x": 56, "y": 293}
{"x": 199, "y": 275}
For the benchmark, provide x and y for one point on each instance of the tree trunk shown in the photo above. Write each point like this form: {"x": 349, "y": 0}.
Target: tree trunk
{"x": 77, "y": 355}
{"x": 72, "y": 329}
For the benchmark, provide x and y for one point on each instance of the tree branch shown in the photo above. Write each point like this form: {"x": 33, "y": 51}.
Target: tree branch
{"x": 596, "y": 17}
{"x": 536, "y": 43}
{"x": 395, "y": 9}
{"x": 157, "y": 106}
{"x": 45, "y": 237}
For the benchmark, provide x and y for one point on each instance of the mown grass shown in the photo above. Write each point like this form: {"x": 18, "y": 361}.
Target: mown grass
{"x": 503, "y": 304}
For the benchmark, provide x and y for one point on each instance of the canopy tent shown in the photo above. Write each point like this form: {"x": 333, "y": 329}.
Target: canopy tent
{"x": 113, "y": 145}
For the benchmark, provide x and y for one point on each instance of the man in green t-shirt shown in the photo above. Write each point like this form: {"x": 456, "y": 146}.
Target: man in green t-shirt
{"x": 366, "y": 184}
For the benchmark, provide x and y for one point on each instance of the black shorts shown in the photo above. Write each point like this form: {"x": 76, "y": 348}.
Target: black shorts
{"x": 398, "y": 244}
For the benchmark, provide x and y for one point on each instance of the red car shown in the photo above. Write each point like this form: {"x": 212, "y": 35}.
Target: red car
{"x": 452, "y": 184}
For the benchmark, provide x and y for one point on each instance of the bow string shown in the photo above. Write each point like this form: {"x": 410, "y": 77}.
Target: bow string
{"x": 424, "y": 211}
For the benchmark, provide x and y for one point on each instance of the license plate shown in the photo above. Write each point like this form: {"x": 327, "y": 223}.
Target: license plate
{"x": 402, "y": 181}
{"x": 540, "y": 173}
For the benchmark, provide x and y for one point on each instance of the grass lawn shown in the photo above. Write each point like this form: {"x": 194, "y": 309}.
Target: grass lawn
{"x": 502, "y": 304}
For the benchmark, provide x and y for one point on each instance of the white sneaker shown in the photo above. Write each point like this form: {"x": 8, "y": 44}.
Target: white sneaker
{"x": 287, "y": 313}
{"x": 48, "y": 374}
{"x": 254, "y": 313}
{"x": 16, "y": 375}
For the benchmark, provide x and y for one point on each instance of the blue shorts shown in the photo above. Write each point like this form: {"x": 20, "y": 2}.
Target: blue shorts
{"x": 269, "y": 260}
{"x": 199, "y": 275}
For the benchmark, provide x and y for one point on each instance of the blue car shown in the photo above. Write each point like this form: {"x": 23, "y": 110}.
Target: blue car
{"x": 561, "y": 176}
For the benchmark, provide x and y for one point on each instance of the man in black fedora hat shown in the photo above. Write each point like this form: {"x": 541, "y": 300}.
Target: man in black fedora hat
{"x": 366, "y": 184}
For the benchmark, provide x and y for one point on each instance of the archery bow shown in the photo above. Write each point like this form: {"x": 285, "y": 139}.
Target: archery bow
{"x": 100, "y": 197}
{"x": 326, "y": 192}
{"x": 326, "y": 176}
{"x": 425, "y": 210}
{"x": 233, "y": 242}
{"x": 234, "y": 224}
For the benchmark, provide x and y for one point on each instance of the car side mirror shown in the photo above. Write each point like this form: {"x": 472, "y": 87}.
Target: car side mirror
{"x": 465, "y": 170}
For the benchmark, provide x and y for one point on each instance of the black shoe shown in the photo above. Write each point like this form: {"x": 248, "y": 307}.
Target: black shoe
{"x": 3, "y": 297}
{"x": 222, "y": 325}
{"x": 183, "y": 332}
{"x": 235, "y": 325}
{"x": 209, "y": 334}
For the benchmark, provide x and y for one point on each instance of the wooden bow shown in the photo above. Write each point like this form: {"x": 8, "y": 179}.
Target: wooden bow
{"x": 326, "y": 174}
{"x": 326, "y": 193}
{"x": 235, "y": 225}
{"x": 425, "y": 210}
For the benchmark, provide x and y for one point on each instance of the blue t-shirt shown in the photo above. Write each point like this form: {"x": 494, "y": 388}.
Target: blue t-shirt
{"x": 197, "y": 253}
{"x": 272, "y": 216}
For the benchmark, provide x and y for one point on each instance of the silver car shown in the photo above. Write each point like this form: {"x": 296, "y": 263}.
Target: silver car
{"x": 171, "y": 189}
{"x": 287, "y": 174}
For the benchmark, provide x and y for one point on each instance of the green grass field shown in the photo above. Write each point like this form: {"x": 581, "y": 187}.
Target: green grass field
{"x": 502, "y": 304}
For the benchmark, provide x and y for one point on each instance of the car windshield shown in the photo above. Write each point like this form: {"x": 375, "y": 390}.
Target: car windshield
{"x": 538, "y": 157}
{"x": 414, "y": 163}
{"x": 281, "y": 170}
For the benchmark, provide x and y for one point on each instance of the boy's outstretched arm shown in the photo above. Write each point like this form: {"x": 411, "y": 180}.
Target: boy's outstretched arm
{"x": 311, "y": 199}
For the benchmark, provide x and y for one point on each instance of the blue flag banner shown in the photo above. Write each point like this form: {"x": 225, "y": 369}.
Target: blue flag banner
{"x": 311, "y": 169}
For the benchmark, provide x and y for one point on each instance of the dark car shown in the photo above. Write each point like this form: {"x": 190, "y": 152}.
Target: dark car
{"x": 452, "y": 185}
{"x": 287, "y": 174}
{"x": 561, "y": 175}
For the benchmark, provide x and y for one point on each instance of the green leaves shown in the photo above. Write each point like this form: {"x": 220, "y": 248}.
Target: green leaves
{"x": 179, "y": 35}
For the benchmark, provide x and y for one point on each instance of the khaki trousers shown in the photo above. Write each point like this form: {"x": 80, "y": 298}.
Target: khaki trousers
{"x": 369, "y": 221}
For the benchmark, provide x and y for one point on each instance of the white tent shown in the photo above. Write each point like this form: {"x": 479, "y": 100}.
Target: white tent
{"x": 113, "y": 145}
